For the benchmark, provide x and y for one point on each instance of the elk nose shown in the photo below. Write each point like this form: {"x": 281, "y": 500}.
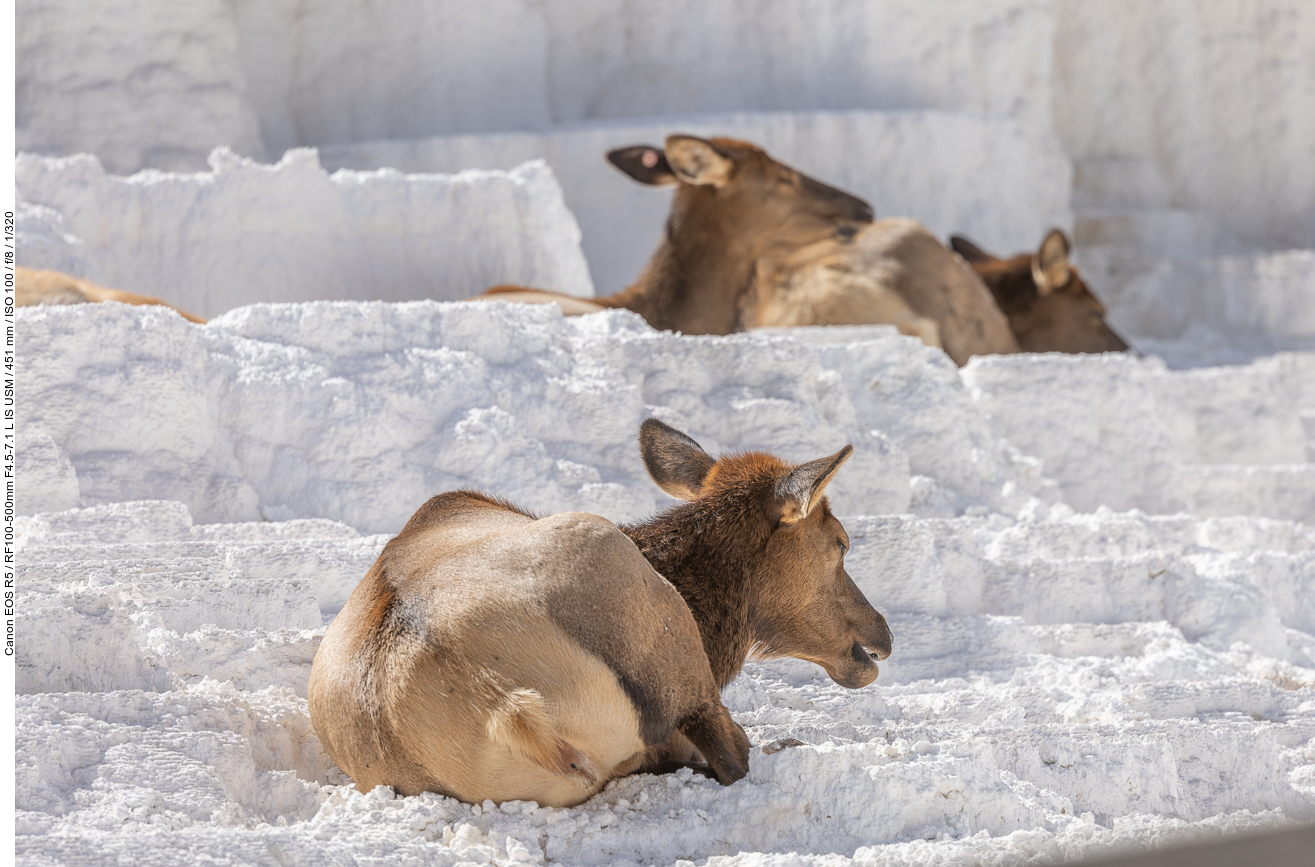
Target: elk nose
{"x": 878, "y": 640}
{"x": 853, "y": 209}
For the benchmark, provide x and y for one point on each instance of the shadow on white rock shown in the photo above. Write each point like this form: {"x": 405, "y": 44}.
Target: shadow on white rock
{"x": 45, "y": 479}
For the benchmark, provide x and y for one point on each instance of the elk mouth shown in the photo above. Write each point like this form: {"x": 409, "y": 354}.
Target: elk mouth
{"x": 857, "y": 668}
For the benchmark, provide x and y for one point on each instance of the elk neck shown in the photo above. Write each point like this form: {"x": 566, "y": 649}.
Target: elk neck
{"x": 694, "y": 279}
{"x": 1010, "y": 283}
{"x": 711, "y": 549}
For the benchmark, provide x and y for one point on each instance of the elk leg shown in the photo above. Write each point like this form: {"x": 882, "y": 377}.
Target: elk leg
{"x": 720, "y": 739}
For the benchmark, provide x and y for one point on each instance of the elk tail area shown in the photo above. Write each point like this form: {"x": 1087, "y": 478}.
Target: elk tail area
{"x": 520, "y": 721}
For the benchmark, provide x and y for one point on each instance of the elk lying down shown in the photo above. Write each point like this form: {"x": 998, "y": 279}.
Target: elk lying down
{"x": 893, "y": 272}
{"x": 752, "y": 242}
{"x": 1050, "y": 308}
{"x": 35, "y": 287}
{"x": 491, "y": 655}
{"x": 733, "y": 205}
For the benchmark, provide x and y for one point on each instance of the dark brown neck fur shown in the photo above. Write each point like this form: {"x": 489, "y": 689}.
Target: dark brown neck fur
{"x": 694, "y": 279}
{"x": 1010, "y": 282}
{"x": 710, "y": 550}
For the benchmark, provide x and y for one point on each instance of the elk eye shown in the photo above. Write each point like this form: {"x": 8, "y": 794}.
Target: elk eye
{"x": 842, "y": 547}
{"x": 846, "y": 232}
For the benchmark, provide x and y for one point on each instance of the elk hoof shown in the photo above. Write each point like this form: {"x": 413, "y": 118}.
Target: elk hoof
{"x": 781, "y": 743}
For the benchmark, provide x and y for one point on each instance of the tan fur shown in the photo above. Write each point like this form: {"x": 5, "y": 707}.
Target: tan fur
{"x": 36, "y": 287}
{"x": 893, "y": 272}
{"x": 733, "y": 205}
{"x": 485, "y": 737}
{"x": 571, "y": 305}
{"x": 446, "y": 670}
{"x": 753, "y": 243}
{"x": 819, "y": 286}
{"x": 491, "y": 655}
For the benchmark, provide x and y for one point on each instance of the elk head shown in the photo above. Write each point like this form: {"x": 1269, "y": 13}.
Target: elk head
{"x": 733, "y": 206}
{"x": 760, "y": 559}
{"x": 1050, "y": 308}
{"x": 734, "y": 189}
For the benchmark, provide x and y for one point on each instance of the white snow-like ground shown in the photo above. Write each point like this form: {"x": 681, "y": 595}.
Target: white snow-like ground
{"x": 1099, "y": 571}
{"x": 1174, "y": 140}
{"x": 245, "y": 232}
{"x": 1063, "y": 682}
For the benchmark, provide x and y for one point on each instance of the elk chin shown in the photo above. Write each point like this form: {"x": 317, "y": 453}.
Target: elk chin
{"x": 854, "y": 671}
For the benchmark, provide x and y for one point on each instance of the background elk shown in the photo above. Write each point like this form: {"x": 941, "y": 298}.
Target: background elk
{"x": 35, "y": 287}
{"x": 752, "y": 242}
{"x": 1050, "y": 308}
{"x": 733, "y": 206}
{"x": 489, "y": 654}
{"x": 893, "y": 272}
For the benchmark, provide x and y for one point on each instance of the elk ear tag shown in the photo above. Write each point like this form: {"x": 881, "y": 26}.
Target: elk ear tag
{"x": 696, "y": 161}
{"x": 1050, "y": 268}
{"x": 675, "y": 462}
{"x": 643, "y": 163}
{"x": 799, "y": 493}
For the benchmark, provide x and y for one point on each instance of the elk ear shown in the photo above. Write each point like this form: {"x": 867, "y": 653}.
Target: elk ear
{"x": 677, "y": 463}
{"x": 644, "y": 163}
{"x": 968, "y": 250}
{"x": 1050, "y": 268}
{"x": 798, "y": 493}
{"x": 696, "y": 161}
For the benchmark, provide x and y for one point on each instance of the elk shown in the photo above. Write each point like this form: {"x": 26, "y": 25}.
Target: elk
{"x": 751, "y": 242}
{"x": 733, "y": 205}
{"x": 35, "y": 287}
{"x": 1050, "y": 308}
{"x": 893, "y": 272}
{"x": 489, "y": 654}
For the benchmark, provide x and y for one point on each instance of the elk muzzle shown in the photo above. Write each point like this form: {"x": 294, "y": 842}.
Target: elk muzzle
{"x": 872, "y": 641}
{"x": 843, "y": 205}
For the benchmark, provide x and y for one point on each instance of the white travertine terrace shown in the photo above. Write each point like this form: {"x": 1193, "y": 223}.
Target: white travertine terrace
{"x": 1098, "y": 570}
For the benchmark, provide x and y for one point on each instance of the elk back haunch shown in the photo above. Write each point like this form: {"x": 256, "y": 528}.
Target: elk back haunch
{"x": 732, "y": 205}
{"x": 893, "y": 272}
{"x": 491, "y": 655}
{"x": 751, "y": 242}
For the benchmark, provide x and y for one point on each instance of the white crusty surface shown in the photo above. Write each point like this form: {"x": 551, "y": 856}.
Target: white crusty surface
{"x": 1059, "y": 687}
{"x": 1067, "y": 678}
{"x": 357, "y": 412}
{"x": 244, "y": 231}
